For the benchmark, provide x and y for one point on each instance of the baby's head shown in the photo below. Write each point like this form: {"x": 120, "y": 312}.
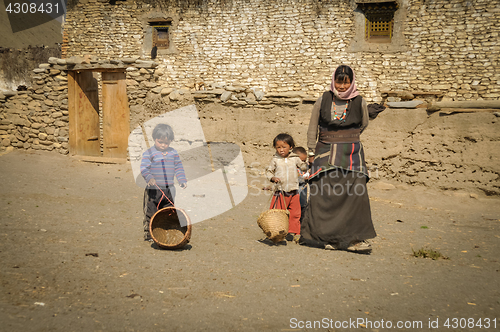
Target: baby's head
{"x": 283, "y": 143}
{"x": 301, "y": 152}
{"x": 163, "y": 135}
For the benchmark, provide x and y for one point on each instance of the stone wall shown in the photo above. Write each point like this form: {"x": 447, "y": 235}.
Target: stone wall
{"x": 449, "y": 151}
{"x": 457, "y": 152}
{"x": 447, "y": 46}
{"x": 16, "y": 64}
{"x": 37, "y": 118}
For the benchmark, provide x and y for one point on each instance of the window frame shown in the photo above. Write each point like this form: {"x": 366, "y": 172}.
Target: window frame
{"x": 398, "y": 42}
{"x": 156, "y": 26}
{"x": 375, "y": 16}
{"x": 378, "y": 37}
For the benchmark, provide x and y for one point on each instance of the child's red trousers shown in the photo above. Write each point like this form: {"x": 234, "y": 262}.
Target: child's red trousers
{"x": 292, "y": 204}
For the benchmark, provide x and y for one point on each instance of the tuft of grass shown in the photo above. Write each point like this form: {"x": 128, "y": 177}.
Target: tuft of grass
{"x": 428, "y": 253}
{"x": 424, "y": 227}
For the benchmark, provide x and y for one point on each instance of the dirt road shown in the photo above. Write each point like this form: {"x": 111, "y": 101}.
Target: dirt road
{"x": 73, "y": 259}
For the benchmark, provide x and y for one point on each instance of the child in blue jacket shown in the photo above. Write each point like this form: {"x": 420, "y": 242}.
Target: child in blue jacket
{"x": 159, "y": 165}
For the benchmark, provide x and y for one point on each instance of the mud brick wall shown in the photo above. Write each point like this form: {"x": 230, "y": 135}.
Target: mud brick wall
{"x": 448, "y": 46}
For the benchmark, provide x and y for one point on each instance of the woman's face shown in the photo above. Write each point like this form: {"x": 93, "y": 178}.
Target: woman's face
{"x": 342, "y": 86}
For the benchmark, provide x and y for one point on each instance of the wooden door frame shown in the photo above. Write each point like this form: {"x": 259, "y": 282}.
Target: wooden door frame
{"x": 115, "y": 114}
{"x": 83, "y": 112}
{"x": 73, "y": 90}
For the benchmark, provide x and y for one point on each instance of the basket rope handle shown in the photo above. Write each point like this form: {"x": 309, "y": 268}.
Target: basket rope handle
{"x": 163, "y": 195}
{"x": 280, "y": 194}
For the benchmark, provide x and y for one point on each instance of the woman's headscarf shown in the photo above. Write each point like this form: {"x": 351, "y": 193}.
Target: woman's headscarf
{"x": 349, "y": 93}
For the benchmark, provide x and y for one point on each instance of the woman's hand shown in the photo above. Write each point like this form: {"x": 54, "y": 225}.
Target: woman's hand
{"x": 275, "y": 179}
{"x": 152, "y": 182}
{"x": 183, "y": 185}
{"x": 311, "y": 160}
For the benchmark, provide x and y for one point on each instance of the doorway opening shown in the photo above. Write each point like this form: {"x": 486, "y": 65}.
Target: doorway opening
{"x": 98, "y": 129}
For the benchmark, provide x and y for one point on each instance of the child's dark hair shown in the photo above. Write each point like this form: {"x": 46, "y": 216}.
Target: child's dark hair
{"x": 299, "y": 150}
{"x": 163, "y": 130}
{"x": 343, "y": 72}
{"x": 284, "y": 138}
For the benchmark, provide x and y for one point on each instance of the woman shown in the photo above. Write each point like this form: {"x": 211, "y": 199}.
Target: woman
{"x": 338, "y": 215}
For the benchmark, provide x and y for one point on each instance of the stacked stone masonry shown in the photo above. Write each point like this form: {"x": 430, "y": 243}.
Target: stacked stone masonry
{"x": 39, "y": 119}
{"x": 448, "y": 45}
{"x": 458, "y": 152}
{"x": 261, "y": 64}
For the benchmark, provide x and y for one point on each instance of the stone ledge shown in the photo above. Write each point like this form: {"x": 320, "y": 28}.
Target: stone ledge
{"x": 92, "y": 63}
{"x": 398, "y": 93}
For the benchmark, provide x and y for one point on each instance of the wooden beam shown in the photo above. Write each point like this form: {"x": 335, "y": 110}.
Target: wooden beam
{"x": 473, "y": 104}
{"x": 100, "y": 70}
{"x": 468, "y": 110}
{"x": 427, "y": 93}
{"x": 393, "y": 93}
{"x": 72, "y": 111}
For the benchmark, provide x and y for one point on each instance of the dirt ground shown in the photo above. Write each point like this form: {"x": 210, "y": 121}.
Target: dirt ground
{"x": 73, "y": 259}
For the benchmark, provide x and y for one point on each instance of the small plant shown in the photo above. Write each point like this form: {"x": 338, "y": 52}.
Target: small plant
{"x": 424, "y": 227}
{"x": 428, "y": 253}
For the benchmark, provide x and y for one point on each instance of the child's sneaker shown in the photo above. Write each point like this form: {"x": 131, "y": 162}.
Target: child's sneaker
{"x": 269, "y": 242}
{"x": 289, "y": 237}
{"x": 296, "y": 238}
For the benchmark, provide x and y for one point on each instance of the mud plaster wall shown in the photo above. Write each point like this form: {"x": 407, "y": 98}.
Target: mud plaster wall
{"x": 454, "y": 152}
{"x": 441, "y": 45}
{"x": 458, "y": 152}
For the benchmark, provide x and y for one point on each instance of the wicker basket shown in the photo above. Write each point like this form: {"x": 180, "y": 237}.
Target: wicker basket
{"x": 166, "y": 230}
{"x": 274, "y": 223}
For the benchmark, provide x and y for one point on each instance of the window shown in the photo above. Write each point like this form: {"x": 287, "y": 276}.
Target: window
{"x": 160, "y": 34}
{"x": 379, "y": 20}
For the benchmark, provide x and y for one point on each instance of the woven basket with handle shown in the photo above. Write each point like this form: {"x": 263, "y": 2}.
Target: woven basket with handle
{"x": 274, "y": 222}
{"x": 166, "y": 229}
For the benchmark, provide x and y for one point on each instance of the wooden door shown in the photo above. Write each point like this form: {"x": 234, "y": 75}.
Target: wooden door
{"x": 116, "y": 115}
{"x": 83, "y": 112}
